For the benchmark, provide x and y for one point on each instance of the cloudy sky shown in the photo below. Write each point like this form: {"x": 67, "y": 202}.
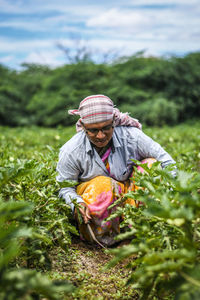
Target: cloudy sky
{"x": 31, "y": 30}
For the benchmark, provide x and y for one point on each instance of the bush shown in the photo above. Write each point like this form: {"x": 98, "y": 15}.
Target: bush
{"x": 157, "y": 112}
{"x": 165, "y": 235}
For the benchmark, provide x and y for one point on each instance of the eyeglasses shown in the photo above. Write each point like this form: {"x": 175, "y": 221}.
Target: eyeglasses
{"x": 95, "y": 131}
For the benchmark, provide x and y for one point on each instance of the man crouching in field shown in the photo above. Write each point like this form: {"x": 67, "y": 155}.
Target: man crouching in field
{"x": 99, "y": 157}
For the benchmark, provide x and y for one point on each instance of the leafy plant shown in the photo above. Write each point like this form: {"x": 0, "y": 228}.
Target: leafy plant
{"x": 21, "y": 239}
{"x": 18, "y": 283}
{"x": 163, "y": 256}
{"x": 165, "y": 234}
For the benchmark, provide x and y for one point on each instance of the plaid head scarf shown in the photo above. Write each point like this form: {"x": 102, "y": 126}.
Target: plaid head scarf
{"x": 100, "y": 108}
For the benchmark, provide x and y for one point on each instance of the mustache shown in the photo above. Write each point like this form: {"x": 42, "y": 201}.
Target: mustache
{"x": 100, "y": 140}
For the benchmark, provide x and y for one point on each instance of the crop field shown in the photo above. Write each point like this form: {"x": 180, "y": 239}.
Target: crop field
{"x": 41, "y": 256}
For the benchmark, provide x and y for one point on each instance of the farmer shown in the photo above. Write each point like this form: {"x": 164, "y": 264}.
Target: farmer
{"x": 98, "y": 158}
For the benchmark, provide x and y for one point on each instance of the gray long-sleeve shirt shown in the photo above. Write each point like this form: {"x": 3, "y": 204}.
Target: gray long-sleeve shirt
{"x": 79, "y": 161}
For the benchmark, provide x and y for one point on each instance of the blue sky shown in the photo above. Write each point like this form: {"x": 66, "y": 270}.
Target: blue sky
{"x": 30, "y": 30}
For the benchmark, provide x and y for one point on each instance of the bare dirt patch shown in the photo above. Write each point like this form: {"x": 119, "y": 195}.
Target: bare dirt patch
{"x": 84, "y": 268}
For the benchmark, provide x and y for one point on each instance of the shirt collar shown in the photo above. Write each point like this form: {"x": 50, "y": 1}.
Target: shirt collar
{"x": 88, "y": 146}
{"x": 116, "y": 143}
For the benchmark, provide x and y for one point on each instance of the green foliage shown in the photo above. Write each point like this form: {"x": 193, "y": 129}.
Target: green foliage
{"x": 63, "y": 90}
{"x": 16, "y": 283}
{"x": 163, "y": 256}
{"x": 32, "y": 218}
{"x": 155, "y": 90}
{"x": 165, "y": 234}
{"x": 158, "y": 111}
{"x": 29, "y": 285}
{"x": 35, "y": 181}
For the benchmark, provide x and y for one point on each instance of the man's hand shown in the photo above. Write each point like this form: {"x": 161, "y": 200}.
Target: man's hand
{"x": 84, "y": 210}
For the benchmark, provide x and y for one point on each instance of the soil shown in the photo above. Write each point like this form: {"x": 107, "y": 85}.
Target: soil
{"x": 84, "y": 267}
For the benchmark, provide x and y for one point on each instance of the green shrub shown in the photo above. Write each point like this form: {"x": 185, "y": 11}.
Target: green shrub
{"x": 157, "y": 112}
{"x": 165, "y": 235}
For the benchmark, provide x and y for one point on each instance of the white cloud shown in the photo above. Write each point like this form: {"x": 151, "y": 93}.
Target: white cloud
{"x": 127, "y": 27}
{"x": 162, "y": 2}
{"x": 119, "y": 18}
{"x": 10, "y": 7}
{"x": 26, "y": 25}
{"x": 152, "y": 47}
{"x": 35, "y": 24}
{"x": 38, "y": 46}
{"x": 51, "y": 58}
{"x": 6, "y": 59}
{"x": 45, "y": 52}
{"x": 146, "y": 24}
{"x": 20, "y": 46}
{"x": 83, "y": 9}
{"x": 76, "y": 9}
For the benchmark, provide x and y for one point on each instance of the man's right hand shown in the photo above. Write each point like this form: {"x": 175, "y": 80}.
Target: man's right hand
{"x": 85, "y": 213}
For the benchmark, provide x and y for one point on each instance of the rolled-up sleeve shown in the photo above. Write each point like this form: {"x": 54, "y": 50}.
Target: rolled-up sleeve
{"x": 67, "y": 170}
{"x": 147, "y": 147}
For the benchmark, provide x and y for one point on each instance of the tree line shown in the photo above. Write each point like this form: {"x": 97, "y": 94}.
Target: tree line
{"x": 155, "y": 90}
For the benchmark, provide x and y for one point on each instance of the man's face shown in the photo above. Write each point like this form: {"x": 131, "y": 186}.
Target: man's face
{"x": 99, "y": 134}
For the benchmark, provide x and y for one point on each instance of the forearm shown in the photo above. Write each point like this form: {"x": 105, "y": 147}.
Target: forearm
{"x": 161, "y": 155}
{"x": 149, "y": 148}
{"x": 68, "y": 194}
{"x": 169, "y": 161}
{"x": 69, "y": 173}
